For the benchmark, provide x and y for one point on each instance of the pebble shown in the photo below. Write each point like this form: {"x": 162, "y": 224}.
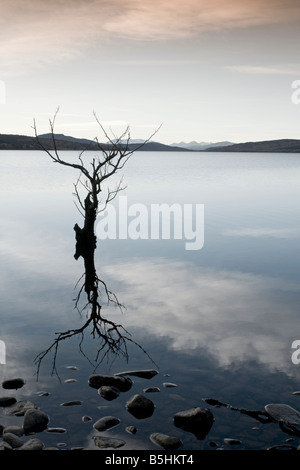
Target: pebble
{"x": 71, "y": 403}
{"x": 86, "y": 419}
{"x": 7, "y": 401}
{"x": 140, "y": 407}
{"x": 32, "y": 444}
{"x": 145, "y": 374}
{"x": 13, "y": 383}
{"x": 20, "y": 408}
{"x": 69, "y": 381}
{"x": 169, "y": 384}
{"x": 151, "y": 390}
{"x": 56, "y": 430}
{"x": 105, "y": 423}
{"x": 196, "y": 420}
{"x": 131, "y": 429}
{"x": 35, "y": 421}
{"x": 232, "y": 442}
{"x": 13, "y": 440}
{"x": 122, "y": 383}
{"x": 283, "y": 412}
{"x": 165, "y": 441}
{"x": 107, "y": 442}
{"x": 108, "y": 392}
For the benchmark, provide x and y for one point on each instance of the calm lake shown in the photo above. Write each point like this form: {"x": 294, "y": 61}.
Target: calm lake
{"x": 215, "y": 322}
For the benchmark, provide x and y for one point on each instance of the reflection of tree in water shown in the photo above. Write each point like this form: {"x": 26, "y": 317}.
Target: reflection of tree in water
{"x": 113, "y": 338}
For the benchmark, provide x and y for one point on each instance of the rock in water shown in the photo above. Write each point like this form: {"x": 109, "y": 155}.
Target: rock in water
{"x": 140, "y": 407}
{"x": 165, "y": 441}
{"x": 282, "y": 412}
{"x": 122, "y": 383}
{"x": 196, "y": 420}
{"x": 105, "y": 423}
{"x": 145, "y": 374}
{"x": 109, "y": 393}
{"x": 106, "y": 442}
{"x": 13, "y": 383}
{"x": 35, "y": 421}
{"x": 32, "y": 444}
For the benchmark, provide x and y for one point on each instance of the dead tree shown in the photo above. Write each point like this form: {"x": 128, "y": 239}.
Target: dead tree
{"x": 111, "y": 158}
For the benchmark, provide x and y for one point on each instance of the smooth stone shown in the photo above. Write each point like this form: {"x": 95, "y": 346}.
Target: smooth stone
{"x": 32, "y": 444}
{"x": 165, "y": 441}
{"x": 35, "y": 421}
{"x": 17, "y": 430}
{"x": 56, "y": 430}
{"x": 43, "y": 394}
{"x": 106, "y": 442}
{"x": 20, "y": 408}
{"x": 131, "y": 429}
{"x": 169, "y": 384}
{"x": 86, "y": 419}
{"x": 122, "y": 383}
{"x": 13, "y": 383}
{"x": 13, "y": 440}
{"x": 109, "y": 393}
{"x": 5, "y": 446}
{"x": 7, "y": 401}
{"x": 106, "y": 422}
{"x": 145, "y": 374}
{"x": 71, "y": 403}
{"x": 232, "y": 442}
{"x": 140, "y": 407}
{"x": 69, "y": 381}
{"x": 72, "y": 367}
{"x": 195, "y": 420}
{"x": 151, "y": 390}
{"x": 282, "y": 412}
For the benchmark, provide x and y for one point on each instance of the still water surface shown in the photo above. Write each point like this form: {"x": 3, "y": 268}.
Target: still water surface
{"x": 217, "y": 322}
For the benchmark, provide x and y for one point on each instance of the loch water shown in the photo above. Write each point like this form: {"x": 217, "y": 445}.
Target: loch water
{"x": 219, "y": 322}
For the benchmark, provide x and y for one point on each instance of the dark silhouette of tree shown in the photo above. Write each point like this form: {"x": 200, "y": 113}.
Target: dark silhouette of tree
{"x": 112, "y": 156}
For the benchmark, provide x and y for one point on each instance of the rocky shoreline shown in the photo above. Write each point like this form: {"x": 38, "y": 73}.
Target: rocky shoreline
{"x": 198, "y": 420}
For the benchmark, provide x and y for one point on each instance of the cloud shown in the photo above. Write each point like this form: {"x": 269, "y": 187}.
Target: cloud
{"x": 286, "y": 69}
{"x": 284, "y": 233}
{"x": 36, "y": 33}
{"x": 235, "y": 316}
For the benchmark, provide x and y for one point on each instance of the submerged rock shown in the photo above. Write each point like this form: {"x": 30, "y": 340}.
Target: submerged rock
{"x": 282, "y": 412}
{"x": 35, "y": 421}
{"x": 232, "y": 442}
{"x": 195, "y": 420}
{"x": 32, "y": 444}
{"x": 122, "y": 383}
{"x": 108, "y": 392}
{"x": 13, "y": 383}
{"x": 165, "y": 441}
{"x": 140, "y": 407}
{"x": 72, "y": 403}
{"x": 7, "y": 401}
{"x": 145, "y": 374}
{"x": 20, "y": 408}
{"x": 107, "y": 442}
{"x": 105, "y": 423}
{"x": 13, "y": 440}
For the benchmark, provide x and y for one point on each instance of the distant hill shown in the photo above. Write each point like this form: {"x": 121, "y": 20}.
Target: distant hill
{"x": 63, "y": 142}
{"x": 271, "y": 146}
{"x": 200, "y": 146}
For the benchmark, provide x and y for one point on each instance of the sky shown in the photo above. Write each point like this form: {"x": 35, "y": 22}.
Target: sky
{"x": 206, "y": 70}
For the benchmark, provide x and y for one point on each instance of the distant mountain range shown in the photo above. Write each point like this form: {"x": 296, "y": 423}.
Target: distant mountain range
{"x": 63, "y": 142}
{"x": 199, "y": 146}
